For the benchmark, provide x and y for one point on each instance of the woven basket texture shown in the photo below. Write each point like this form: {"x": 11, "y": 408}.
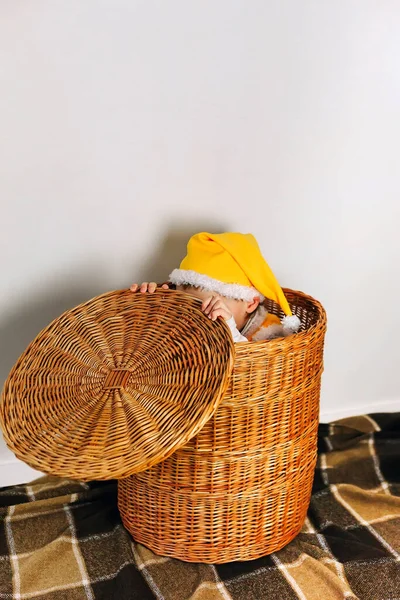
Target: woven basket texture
{"x": 115, "y": 385}
{"x": 240, "y": 489}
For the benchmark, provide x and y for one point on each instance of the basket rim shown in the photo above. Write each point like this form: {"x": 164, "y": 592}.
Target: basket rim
{"x": 300, "y": 335}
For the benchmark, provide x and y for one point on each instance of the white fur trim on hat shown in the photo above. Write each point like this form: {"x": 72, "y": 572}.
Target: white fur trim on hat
{"x": 291, "y": 324}
{"x": 229, "y": 290}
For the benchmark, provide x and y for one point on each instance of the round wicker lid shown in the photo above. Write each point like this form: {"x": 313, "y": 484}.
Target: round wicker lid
{"x": 116, "y": 385}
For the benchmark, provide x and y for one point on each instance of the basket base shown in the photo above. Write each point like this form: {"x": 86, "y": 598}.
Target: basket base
{"x": 224, "y": 532}
{"x": 226, "y": 555}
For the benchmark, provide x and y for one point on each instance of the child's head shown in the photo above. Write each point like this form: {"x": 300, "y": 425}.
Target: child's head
{"x": 229, "y": 265}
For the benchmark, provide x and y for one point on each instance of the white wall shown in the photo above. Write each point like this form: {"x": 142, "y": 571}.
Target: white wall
{"x": 127, "y": 125}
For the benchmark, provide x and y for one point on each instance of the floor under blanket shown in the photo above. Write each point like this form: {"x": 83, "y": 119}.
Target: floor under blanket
{"x": 63, "y": 540}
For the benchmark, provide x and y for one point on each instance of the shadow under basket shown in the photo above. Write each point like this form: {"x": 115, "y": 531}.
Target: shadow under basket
{"x": 240, "y": 488}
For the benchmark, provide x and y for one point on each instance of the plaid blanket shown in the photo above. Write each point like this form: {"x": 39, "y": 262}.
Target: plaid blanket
{"x": 63, "y": 540}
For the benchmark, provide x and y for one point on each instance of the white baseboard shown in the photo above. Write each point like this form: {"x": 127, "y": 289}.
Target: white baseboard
{"x": 327, "y": 416}
{"x": 13, "y": 472}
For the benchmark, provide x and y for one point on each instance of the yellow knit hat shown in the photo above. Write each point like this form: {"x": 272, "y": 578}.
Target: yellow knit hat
{"x": 230, "y": 264}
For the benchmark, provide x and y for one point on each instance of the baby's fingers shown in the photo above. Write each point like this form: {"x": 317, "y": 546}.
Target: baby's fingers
{"x": 147, "y": 287}
{"x": 208, "y": 304}
{"x": 219, "y": 311}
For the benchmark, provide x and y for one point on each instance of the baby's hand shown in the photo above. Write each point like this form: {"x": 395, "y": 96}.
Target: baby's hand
{"x": 215, "y": 307}
{"x": 147, "y": 287}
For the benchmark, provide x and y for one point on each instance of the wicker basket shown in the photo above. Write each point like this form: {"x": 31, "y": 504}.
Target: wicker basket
{"x": 223, "y": 459}
{"x": 240, "y": 489}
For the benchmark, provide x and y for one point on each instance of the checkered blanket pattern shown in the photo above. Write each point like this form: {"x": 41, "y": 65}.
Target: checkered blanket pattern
{"x": 63, "y": 540}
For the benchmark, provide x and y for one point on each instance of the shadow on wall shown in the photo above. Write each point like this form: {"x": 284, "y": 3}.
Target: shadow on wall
{"x": 64, "y": 291}
{"x": 20, "y": 325}
{"x": 171, "y": 249}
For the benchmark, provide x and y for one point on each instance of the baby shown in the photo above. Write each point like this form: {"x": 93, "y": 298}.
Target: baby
{"x": 229, "y": 274}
